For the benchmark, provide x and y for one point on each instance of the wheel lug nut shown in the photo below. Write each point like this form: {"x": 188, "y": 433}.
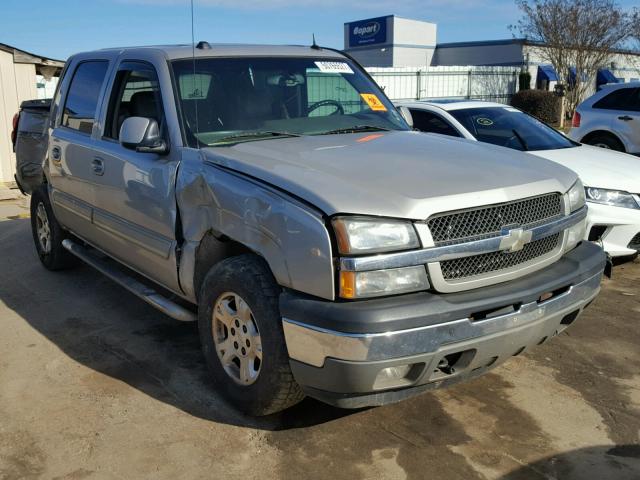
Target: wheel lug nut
{"x": 233, "y": 331}
{"x": 237, "y": 323}
{"x": 248, "y": 343}
{"x": 235, "y": 345}
{"x": 243, "y": 351}
{"x": 244, "y": 328}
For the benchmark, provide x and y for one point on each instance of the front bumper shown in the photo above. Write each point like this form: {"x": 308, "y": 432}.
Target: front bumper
{"x": 379, "y": 351}
{"x": 621, "y": 226}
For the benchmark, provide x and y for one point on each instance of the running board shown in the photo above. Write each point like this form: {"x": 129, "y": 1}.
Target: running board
{"x": 139, "y": 289}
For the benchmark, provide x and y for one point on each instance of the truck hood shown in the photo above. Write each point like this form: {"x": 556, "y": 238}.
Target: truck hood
{"x": 599, "y": 167}
{"x": 395, "y": 174}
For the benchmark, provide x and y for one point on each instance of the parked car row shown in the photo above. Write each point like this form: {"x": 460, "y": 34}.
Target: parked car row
{"x": 611, "y": 179}
{"x": 277, "y": 197}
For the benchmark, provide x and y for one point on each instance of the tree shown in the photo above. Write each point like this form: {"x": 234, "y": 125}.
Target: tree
{"x": 580, "y": 34}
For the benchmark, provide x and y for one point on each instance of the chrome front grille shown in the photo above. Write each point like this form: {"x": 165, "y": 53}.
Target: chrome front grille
{"x": 461, "y": 268}
{"x": 486, "y": 222}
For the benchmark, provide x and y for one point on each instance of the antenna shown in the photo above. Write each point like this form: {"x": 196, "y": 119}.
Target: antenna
{"x": 193, "y": 57}
{"x": 315, "y": 45}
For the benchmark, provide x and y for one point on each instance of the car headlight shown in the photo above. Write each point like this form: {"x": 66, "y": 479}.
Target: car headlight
{"x": 617, "y": 198}
{"x": 357, "y": 235}
{"x": 576, "y": 196}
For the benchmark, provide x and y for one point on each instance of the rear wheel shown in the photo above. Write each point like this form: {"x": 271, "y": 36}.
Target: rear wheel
{"x": 48, "y": 234}
{"x": 607, "y": 141}
{"x": 242, "y": 339}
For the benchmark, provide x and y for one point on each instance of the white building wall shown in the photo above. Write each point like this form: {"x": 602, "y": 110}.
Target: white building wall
{"x": 17, "y": 83}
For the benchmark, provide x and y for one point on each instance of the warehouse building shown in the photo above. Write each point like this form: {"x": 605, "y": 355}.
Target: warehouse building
{"x": 399, "y": 42}
{"x": 23, "y": 76}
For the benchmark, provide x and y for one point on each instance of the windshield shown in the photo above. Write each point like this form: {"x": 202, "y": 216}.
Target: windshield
{"x": 509, "y": 127}
{"x": 228, "y": 100}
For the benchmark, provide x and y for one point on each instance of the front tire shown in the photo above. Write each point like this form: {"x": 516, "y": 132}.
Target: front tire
{"x": 48, "y": 234}
{"x": 242, "y": 338}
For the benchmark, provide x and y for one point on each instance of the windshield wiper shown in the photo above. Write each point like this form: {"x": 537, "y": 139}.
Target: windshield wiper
{"x": 254, "y": 136}
{"x": 519, "y": 137}
{"x": 356, "y": 129}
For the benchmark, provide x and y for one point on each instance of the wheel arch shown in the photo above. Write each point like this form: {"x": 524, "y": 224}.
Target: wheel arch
{"x": 224, "y": 213}
{"x": 607, "y": 133}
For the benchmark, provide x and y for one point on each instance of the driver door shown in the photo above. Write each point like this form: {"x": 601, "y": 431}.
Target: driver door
{"x": 135, "y": 206}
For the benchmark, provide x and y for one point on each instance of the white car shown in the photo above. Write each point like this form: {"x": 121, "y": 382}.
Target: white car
{"x": 610, "y": 118}
{"x": 611, "y": 179}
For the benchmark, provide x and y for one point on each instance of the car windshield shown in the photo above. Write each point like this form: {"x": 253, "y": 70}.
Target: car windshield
{"x": 224, "y": 101}
{"x": 509, "y": 127}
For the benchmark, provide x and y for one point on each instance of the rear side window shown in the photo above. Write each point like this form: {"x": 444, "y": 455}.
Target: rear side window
{"x": 82, "y": 99}
{"x": 621, "y": 99}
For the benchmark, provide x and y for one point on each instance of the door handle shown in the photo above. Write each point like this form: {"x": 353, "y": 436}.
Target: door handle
{"x": 626, "y": 118}
{"x": 97, "y": 165}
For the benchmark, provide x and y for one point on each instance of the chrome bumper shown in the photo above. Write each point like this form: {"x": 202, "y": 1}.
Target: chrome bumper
{"x": 312, "y": 345}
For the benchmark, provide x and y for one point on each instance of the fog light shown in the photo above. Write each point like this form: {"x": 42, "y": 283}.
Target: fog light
{"x": 392, "y": 376}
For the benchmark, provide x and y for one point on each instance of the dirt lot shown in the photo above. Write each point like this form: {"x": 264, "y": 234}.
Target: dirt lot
{"x": 96, "y": 384}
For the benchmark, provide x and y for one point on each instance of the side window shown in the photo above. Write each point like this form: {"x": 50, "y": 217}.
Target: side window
{"x": 135, "y": 93}
{"x": 430, "y": 122}
{"x": 620, "y": 99}
{"x": 82, "y": 98}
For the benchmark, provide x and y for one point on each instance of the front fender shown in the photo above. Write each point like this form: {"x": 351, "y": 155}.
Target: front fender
{"x": 289, "y": 235}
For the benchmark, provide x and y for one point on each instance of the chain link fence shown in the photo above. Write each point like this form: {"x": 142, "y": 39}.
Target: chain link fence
{"x": 497, "y": 84}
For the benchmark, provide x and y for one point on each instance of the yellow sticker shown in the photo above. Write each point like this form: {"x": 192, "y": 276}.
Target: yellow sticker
{"x": 374, "y": 102}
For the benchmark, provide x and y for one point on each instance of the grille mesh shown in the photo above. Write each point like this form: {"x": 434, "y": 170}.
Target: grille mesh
{"x": 485, "y": 222}
{"x": 490, "y": 262}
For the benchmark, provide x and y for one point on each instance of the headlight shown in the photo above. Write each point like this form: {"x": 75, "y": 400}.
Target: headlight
{"x": 356, "y": 235}
{"x": 376, "y": 283}
{"x": 616, "y": 198}
{"x": 576, "y": 196}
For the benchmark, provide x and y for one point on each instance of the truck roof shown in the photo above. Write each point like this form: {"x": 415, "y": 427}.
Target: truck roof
{"x": 173, "y": 52}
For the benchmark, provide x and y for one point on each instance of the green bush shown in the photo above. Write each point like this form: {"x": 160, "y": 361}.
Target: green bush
{"x": 541, "y": 104}
{"x": 524, "y": 80}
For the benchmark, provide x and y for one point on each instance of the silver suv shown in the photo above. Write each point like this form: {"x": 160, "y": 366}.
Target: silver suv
{"x": 610, "y": 118}
{"x": 276, "y": 196}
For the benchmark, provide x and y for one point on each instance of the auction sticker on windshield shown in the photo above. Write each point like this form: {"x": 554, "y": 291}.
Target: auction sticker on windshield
{"x": 334, "y": 67}
{"x": 374, "y": 102}
{"x": 485, "y": 122}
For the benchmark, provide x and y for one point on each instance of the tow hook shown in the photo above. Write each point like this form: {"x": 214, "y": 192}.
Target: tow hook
{"x": 445, "y": 367}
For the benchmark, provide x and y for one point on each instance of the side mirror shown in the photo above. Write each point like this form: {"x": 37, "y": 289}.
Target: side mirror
{"x": 142, "y": 135}
{"x": 406, "y": 114}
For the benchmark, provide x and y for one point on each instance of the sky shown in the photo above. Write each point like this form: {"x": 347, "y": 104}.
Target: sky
{"x": 59, "y": 28}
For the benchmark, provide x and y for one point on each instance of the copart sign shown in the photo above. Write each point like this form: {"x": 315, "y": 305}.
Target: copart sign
{"x": 368, "y": 32}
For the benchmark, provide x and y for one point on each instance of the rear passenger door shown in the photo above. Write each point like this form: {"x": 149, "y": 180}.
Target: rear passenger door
{"x": 622, "y": 110}
{"x": 70, "y": 151}
{"x": 134, "y": 212}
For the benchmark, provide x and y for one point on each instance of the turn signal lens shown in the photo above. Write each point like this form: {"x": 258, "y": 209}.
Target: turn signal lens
{"x": 377, "y": 283}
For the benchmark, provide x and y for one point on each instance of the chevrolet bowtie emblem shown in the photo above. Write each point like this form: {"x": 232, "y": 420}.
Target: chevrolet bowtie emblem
{"x": 515, "y": 240}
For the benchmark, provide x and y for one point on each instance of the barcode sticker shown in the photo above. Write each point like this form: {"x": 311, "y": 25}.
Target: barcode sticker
{"x": 334, "y": 67}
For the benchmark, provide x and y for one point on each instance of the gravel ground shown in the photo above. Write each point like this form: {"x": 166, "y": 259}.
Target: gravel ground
{"x": 96, "y": 384}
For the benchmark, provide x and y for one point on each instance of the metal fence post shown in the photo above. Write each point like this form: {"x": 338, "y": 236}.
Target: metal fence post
{"x": 418, "y": 81}
{"x": 469, "y": 84}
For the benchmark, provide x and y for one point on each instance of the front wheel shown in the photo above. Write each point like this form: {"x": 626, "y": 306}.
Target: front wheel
{"x": 48, "y": 234}
{"x": 242, "y": 339}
